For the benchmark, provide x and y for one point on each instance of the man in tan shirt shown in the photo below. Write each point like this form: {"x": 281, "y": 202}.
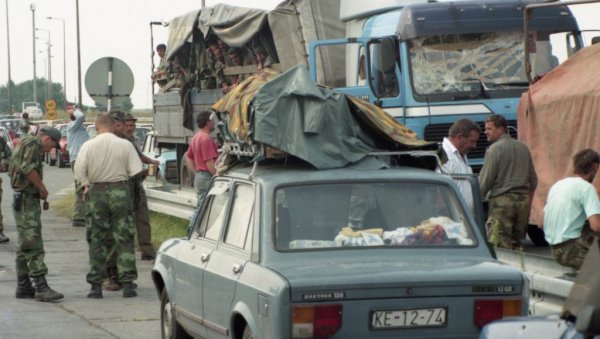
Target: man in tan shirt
{"x": 104, "y": 166}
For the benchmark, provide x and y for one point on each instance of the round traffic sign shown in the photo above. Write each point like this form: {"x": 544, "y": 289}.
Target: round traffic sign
{"x": 109, "y": 78}
{"x": 50, "y": 104}
{"x": 51, "y": 114}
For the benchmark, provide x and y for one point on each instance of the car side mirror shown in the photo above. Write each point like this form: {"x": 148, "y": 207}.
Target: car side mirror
{"x": 588, "y": 321}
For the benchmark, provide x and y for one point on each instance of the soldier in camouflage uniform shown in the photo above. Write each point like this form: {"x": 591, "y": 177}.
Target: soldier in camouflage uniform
{"x": 5, "y": 153}
{"x": 104, "y": 167}
{"x": 508, "y": 177}
{"x": 25, "y": 171}
{"x": 140, "y": 204}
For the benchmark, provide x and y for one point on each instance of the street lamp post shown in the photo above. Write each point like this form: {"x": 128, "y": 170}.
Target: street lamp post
{"x": 78, "y": 56}
{"x": 49, "y": 80}
{"x": 64, "y": 58}
{"x": 9, "y": 85}
{"x": 32, "y": 7}
{"x": 46, "y": 74}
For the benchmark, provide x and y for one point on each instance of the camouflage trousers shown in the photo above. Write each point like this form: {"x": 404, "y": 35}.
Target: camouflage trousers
{"x": 30, "y": 253}
{"x": 507, "y": 221}
{"x": 572, "y": 252}
{"x": 109, "y": 222}
{"x": 78, "y": 203}
{"x": 142, "y": 217}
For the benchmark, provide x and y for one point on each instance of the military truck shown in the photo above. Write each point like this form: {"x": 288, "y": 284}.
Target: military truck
{"x": 200, "y": 70}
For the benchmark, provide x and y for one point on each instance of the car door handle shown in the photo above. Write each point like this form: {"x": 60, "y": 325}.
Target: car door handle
{"x": 204, "y": 257}
{"x": 237, "y": 268}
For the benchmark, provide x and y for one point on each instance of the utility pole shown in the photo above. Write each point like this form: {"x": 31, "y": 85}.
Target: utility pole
{"x": 32, "y": 7}
{"x": 9, "y": 85}
{"x": 78, "y": 57}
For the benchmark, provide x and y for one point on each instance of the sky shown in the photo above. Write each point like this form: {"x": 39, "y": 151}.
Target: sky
{"x": 116, "y": 28}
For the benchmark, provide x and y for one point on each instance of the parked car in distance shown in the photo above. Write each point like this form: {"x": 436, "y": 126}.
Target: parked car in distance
{"x": 283, "y": 250}
{"x": 167, "y": 169}
{"x": 580, "y": 316}
{"x": 8, "y": 137}
{"x": 59, "y": 156}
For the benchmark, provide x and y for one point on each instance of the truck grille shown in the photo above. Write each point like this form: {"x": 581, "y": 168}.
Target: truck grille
{"x": 437, "y": 132}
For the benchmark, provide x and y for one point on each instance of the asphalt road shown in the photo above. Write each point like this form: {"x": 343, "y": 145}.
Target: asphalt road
{"x": 75, "y": 316}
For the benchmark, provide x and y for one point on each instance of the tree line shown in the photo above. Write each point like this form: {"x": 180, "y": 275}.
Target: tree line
{"x": 23, "y": 92}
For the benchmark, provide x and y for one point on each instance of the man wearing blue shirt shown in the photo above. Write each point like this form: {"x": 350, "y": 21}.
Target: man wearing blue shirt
{"x": 572, "y": 212}
{"x": 76, "y": 136}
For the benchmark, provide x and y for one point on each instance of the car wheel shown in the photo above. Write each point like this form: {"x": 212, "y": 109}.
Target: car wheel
{"x": 247, "y": 333}
{"x": 536, "y": 235}
{"x": 169, "y": 328}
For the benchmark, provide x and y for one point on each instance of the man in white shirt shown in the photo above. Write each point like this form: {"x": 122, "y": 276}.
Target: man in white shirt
{"x": 462, "y": 138}
{"x": 572, "y": 212}
{"x": 104, "y": 167}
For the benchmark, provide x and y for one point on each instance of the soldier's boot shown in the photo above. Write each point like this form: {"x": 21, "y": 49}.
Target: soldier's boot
{"x": 128, "y": 290}
{"x": 24, "y": 287}
{"x": 43, "y": 292}
{"x": 95, "y": 291}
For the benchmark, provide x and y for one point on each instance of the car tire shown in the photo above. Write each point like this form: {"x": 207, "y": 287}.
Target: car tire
{"x": 247, "y": 333}
{"x": 169, "y": 327}
{"x": 536, "y": 235}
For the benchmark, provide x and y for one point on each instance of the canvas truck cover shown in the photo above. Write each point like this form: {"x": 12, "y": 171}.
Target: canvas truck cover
{"x": 559, "y": 116}
{"x": 293, "y": 24}
{"x": 327, "y": 129}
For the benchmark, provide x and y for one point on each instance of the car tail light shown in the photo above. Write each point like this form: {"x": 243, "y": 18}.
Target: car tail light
{"x": 487, "y": 311}
{"x": 321, "y": 321}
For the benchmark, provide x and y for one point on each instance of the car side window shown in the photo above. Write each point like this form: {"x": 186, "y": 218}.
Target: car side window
{"x": 241, "y": 217}
{"x": 214, "y": 211}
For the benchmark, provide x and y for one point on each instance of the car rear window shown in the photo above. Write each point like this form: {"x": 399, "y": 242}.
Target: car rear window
{"x": 369, "y": 214}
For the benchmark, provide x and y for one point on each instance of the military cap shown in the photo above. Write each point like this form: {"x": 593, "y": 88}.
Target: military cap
{"x": 130, "y": 117}
{"x": 118, "y": 115}
{"x": 51, "y": 132}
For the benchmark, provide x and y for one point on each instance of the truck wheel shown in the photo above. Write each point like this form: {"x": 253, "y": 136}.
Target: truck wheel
{"x": 187, "y": 179}
{"x": 536, "y": 235}
{"x": 247, "y": 333}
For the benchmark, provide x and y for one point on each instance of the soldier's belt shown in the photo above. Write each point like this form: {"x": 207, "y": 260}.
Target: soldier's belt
{"x": 109, "y": 184}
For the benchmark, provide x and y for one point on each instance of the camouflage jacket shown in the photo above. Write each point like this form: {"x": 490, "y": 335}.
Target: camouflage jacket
{"x": 26, "y": 158}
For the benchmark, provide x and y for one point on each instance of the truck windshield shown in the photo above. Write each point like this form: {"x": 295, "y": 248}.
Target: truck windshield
{"x": 454, "y": 64}
{"x": 359, "y": 215}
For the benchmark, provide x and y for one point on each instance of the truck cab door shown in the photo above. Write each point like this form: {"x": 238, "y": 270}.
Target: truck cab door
{"x": 372, "y": 70}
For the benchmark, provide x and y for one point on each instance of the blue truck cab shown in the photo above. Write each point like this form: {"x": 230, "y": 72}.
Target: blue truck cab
{"x": 430, "y": 63}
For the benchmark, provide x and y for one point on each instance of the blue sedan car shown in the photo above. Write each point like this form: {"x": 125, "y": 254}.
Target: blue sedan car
{"x": 287, "y": 251}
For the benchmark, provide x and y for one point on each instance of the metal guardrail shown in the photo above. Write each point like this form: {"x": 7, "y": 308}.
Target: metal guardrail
{"x": 176, "y": 202}
{"x": 548, "y": 290}
{"x": 547, "y": 285}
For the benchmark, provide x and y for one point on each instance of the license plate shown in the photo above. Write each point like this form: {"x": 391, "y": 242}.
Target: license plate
{"x": 409, "y": 318}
